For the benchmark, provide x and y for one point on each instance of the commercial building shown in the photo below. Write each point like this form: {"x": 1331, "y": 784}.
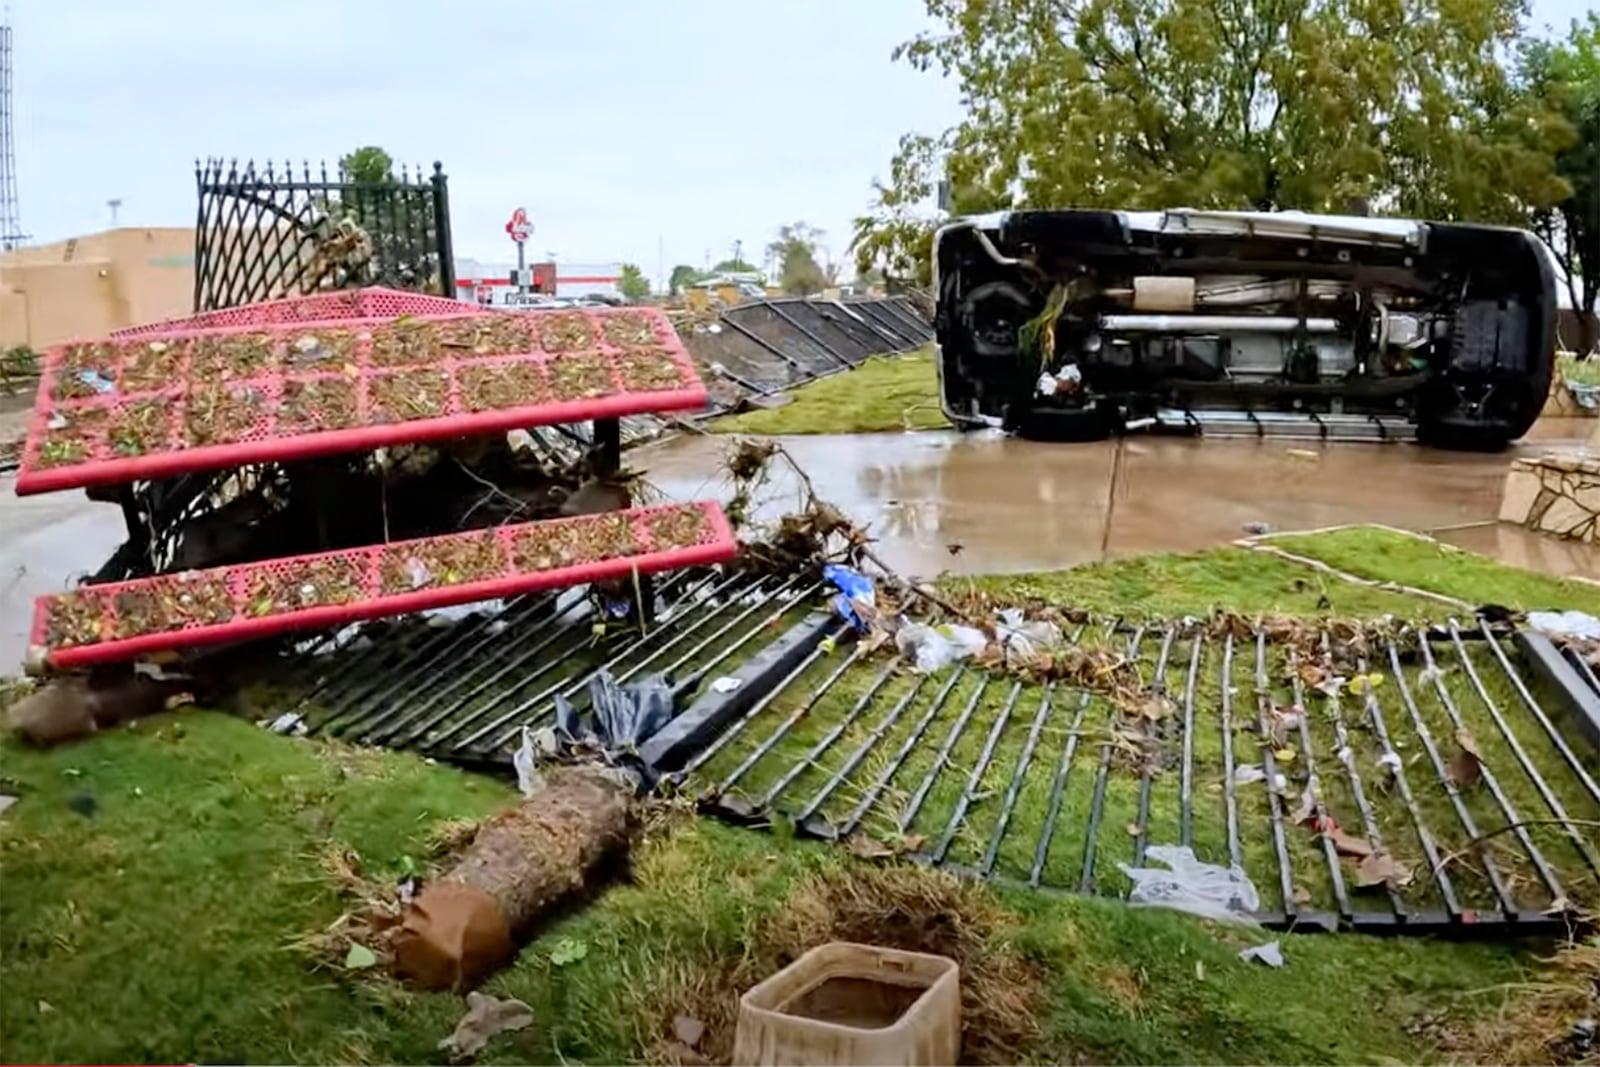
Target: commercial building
{"x": 490, "y": 283}
{"x": 88, "y": 286}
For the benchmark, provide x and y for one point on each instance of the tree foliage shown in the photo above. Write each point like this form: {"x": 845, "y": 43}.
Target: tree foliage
{"x": 396, "y": 225}
{"x": 681, "y": 278}
{"x": 632, "y": 283}
{"x": 1567, "y": 76}
{"x": 1241, "y": 104}
{"x": 799, "y": 271}
{"x": 735, "y": 266}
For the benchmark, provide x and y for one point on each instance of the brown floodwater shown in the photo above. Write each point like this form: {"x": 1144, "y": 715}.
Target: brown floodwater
{"x": 1009, "y": 505}
{"x": 1016, "y": 505}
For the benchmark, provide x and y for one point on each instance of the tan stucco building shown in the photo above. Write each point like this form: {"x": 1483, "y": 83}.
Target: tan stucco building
{"x": 88, "y": 286}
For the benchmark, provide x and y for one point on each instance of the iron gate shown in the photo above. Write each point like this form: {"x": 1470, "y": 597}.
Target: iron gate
{"x": 267, "y": 233}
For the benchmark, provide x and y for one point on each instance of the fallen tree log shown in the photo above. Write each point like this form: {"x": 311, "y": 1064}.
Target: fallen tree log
{"x": 467, "y": 924}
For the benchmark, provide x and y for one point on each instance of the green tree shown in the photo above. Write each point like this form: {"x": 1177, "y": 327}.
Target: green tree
{"x": 378, "y": 229}
{"x": 795, "y": 249}
{"x": 681, "y": 278}
{"x": 632, "y": 283}
{"x": 1265, "y": 104}
{"x": 735, "y": 266}
{"x": 1567, "y": 76}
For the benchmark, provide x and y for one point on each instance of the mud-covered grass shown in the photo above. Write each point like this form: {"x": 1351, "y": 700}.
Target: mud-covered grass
{"x": 886, "y": 394}
{"x": 239, "y": 818}
{"x": 1373, "y": 552}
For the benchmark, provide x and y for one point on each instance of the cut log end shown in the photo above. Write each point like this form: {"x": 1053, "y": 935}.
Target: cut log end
{"x": 522, "y": 863}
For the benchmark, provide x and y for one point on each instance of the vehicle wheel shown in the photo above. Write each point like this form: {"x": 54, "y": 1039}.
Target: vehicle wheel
{"x": 1463, "y": 435}
{"x": 1066, "y": 424}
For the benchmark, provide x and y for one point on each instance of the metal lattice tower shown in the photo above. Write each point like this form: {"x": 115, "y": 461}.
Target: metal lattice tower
{"x": 10, "y": 215}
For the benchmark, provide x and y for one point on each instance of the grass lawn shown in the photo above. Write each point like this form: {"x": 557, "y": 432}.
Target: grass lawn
{"x": 1372, "y": 552}
{"x": 1250, "y": 583}
{"x": 1581, "y": 371}
{"x": 887, "y": 394}
{"x": 161, "y": 928}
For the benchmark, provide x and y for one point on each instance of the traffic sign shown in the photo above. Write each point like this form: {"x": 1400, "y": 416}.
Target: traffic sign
{"x": 519, "y": 227}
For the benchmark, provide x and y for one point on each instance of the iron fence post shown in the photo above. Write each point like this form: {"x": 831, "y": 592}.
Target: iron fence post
{"x": 441, "y": 228}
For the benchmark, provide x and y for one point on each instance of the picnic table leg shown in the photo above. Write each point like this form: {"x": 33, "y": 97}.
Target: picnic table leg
{"x": 605, "y": 459}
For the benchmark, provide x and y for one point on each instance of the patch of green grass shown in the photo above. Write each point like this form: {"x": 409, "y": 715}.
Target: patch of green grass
{"x": 160, "y": 928}
{"x": 1166, "y": 585}
{"x": 1372, "y": 552}
{"x": 886, "y": 394}
{"x": 1581, "y": 371}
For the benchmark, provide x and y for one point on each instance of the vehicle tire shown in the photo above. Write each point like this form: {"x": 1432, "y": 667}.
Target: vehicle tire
{"x": 1066, "y": 424}
{"x": 1463, "y": 435}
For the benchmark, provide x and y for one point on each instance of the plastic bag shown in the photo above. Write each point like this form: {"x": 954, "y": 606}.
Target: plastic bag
{"x": 618, "y": 716}
{"x": 1025, "y": 640}
{"x": 1198, "y": 888}
{"x": 1579, "y": 624}
{"x": 935, "y": 647}
{"x": 854, "y": 588}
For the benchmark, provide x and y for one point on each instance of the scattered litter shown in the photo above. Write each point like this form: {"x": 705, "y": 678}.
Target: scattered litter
{"x": 1248, "y": 774}
{"x": 936, "y": 647}
{"x": 1271, "y": 954}
{"x": 486, "y": 1016}
{"x": 726, "y": 684}
{"x": 1026, "y": 640}
{"x": 1308, "y": 805}
{"x": 1302, "y": 895}
{"x": 6, "y": 800}
{"x": 568, "y": 950}
{"x": 57, "y": 421}
{"x": 689, "y": 1030}
{"x": 1256, "y": 529}
{"x": 1362, "y": 684}
{"x": 359, "y": 958}
{"x": 290, "y": 722}
{"x": 417, "y": 573}
{"x": 855, "y": 592}
{"x": 83, "y": 804}
{"x": 620, "y": 717}
{"x": 1578, "y": 624}
{"x": 526, "y": 759}
{"x": 1198, "y": 888}
{"x": 96, "y": 381}
{"x": 1583, "y": 1034}
{"x": 45, "y": 1007}
{"x": 1303, "y": 454}
{"x": 1389, "y": 766}
{"x": 1134, "y": 829}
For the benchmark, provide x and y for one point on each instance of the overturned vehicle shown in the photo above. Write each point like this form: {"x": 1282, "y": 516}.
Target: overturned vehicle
{"x": 1074, "y": 325}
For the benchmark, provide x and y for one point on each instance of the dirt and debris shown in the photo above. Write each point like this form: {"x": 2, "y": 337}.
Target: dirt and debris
{"x": 486, "y": 1017}
{"x": 1003, "y": 995}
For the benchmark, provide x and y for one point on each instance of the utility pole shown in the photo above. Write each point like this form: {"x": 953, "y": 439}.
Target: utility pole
{"x": 114, "y": 203}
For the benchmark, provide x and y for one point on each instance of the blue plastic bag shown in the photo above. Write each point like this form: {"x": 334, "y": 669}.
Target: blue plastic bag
{"x": 852, "y": 586}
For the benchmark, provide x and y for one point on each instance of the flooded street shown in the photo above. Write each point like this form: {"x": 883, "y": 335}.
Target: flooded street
{"x": 1010, "y": 505}
{"x": 1018, "y": 505}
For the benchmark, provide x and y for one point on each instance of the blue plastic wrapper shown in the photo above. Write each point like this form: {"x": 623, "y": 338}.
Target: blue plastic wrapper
{"x": 852, "y": 585}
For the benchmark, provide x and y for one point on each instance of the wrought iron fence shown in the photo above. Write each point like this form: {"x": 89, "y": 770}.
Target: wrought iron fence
{"x": 263, "y": 233}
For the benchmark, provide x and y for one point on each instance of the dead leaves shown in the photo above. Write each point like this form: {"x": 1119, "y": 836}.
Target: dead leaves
{"x": 870, "y": 848}
{"x": 1382, "y": 869}
{"x": 1343, "y": 843}
{"x": 1465, "y": 769}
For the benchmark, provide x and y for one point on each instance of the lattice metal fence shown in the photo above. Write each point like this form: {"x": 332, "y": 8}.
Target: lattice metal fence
{"x": 263, "y": 233}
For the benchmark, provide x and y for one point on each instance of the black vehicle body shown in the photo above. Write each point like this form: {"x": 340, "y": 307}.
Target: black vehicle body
{"x": 1079, "y": 324}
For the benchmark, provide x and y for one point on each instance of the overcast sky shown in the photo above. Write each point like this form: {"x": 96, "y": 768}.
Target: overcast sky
{"x": 635, "y": 130}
